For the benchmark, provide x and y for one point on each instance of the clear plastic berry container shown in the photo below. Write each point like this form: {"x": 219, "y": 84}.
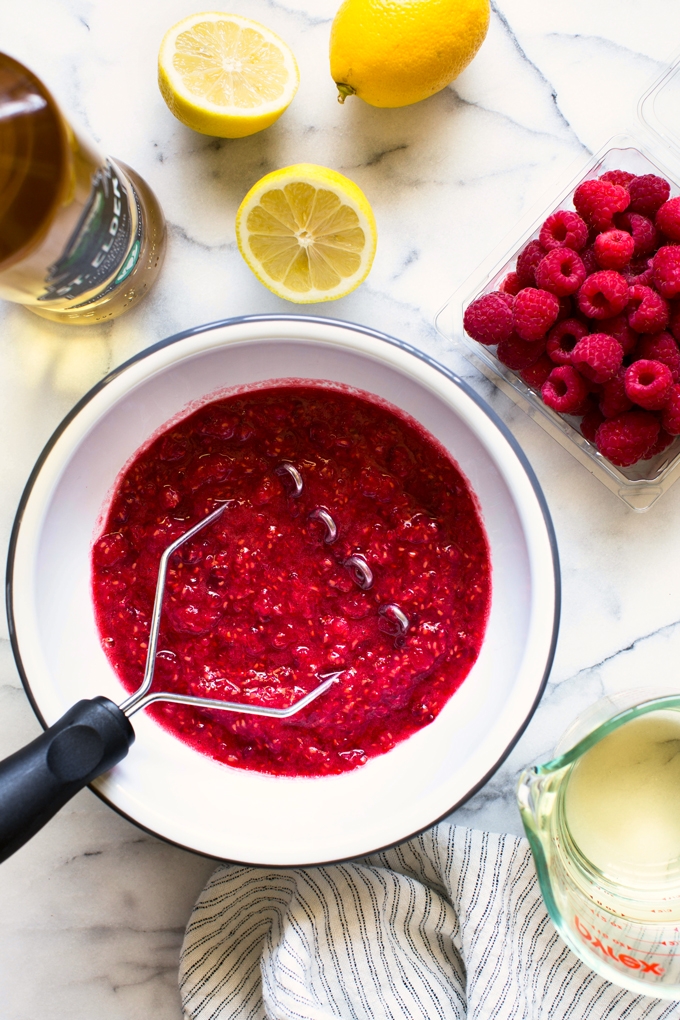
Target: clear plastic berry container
{"x": 650, "y": 150}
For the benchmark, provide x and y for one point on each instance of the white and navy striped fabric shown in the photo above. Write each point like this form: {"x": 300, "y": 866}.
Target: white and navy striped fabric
{"x": 450, "y": 925}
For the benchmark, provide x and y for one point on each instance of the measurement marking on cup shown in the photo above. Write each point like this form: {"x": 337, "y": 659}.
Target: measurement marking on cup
{"x": 632, "y": 962}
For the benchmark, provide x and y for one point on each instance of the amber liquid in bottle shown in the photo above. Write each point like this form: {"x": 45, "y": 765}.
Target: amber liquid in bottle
{"x": 82, "y": 236}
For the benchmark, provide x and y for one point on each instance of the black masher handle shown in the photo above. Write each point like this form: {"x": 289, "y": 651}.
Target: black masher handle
{"x": 36, "y": 781}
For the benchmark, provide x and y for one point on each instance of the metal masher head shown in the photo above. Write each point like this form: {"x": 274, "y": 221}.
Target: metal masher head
{"x": 144, "y": 696}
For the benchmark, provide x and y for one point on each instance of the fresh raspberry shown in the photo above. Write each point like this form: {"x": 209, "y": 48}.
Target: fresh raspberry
{"x": 599, "y": 201}
{"x": 562, "y": 339}
{"x": 661, "y": 347}
{"x": 488, "y": 319}
{"x": 535, "y": 312}
{"x": 566, "y": 309}
{"x": 621, "y": 177}
{"x": 518, "y": 354}
{"x": 648, "y": 193}
{"x": 564, "y": 390}
{"x": 561, "y": 271}
{"x": 590, "y": 423}
{"x": 614, "y": 399}
{"x": 614, "y": 249}
{"x": 664, "y": 440}
{"x": 666, "y": 267}
{"x": 603, "y": 295}
{"x": 674, "y": 325}
{"x": 598, "y": 357}
{"x": 511, "y": 284}
{"x": 670, "y": 419}
{"x": 648, "y": 384}
{"x": 639, "y": 272}
{"x": 641, "y": 229}
{"x": 588, "y": 404}
{"x": 647, "y": 311}
{"x": 564, "y": 229}
{"x": 667, "y": 219}
{"x": 527, "y": 260}
{"x": 536, "y": 374}
{"x": 627, "y": 438}
{"x": 619, "y": 328}
{"x": 508, "y": 298}
{"x": 589, "y": 260}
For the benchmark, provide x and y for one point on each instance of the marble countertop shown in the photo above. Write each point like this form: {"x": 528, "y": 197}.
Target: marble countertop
{"x": 92, "y": 911}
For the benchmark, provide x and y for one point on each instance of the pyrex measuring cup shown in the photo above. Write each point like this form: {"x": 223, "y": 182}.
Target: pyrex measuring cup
{"x": 622, "y": 915}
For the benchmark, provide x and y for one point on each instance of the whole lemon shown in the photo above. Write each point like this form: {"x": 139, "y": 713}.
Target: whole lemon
{"x": 397, "y": 52}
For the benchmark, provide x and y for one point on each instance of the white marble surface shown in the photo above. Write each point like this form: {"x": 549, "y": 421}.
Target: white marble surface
{"x": 92, "y": 912}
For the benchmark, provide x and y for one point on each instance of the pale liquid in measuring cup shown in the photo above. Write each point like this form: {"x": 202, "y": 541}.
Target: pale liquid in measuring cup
{"x": 622, "y": 801}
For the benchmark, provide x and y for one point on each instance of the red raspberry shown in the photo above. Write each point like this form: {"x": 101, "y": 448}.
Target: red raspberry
{"x": 511, "y": 284}
{"x": 488, "y": 319}
{"x": 598, "y": 357}
{"x": 562, "y": 339}
{"x": 618, "y": 328}
{"x": 642, "y": 230}
{"x": 666, "y": 268}
{"x": 535, "y": 312}
{"x": 627, "y": 438}
{"x": 561, "y": 271}
{"x": 639, "y": 272}
{"x": 566, "y": 309}
{"x": 670, "y": 419}
{"x": 536, "y": 374}
{"x": 648, "y": 384}
{"x": 621, "y": 177}
{"x": 517, "y": 354}
{"x": 589, "y": 260}
{"x": 599, "y": 201}
{"x": 527, "y": 260}
{"x": 603, "y": 295}
{"x": 661, "y": 347}
{"x": 589, "y": 403}
{"x": 648, "y": 193}
{"x": 614, "y": 399}
{"x": 590, "y": 423}
{"x": 564, "y": 390}
{"x": 614, "y": 249}
{"x": 675, "y": 319}
{"x": 664, "y": 440}
{"x": 647, "y": 311}
{"x": 564, "y": 229}
{"x": 667, "y": 219}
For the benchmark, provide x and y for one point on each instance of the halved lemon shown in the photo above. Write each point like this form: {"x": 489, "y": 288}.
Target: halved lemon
{"x": 307, "y": 233}
{"x": 225, "y": 75}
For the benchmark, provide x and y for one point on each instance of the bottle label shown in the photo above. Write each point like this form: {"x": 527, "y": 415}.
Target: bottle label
{"x": 99, "y": 245}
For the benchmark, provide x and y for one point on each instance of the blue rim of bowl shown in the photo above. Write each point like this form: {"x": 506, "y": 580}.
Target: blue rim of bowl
{"x": 367, "y": 331}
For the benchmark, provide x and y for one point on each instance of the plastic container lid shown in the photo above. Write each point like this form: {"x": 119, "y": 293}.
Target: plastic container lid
{"x": 651, "y": 147}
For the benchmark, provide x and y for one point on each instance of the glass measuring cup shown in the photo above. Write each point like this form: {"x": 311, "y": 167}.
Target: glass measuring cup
{"x": 622, "y": 920}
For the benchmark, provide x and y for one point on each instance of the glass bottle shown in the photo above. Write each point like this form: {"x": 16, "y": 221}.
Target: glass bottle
{"x": 82, "y": 236}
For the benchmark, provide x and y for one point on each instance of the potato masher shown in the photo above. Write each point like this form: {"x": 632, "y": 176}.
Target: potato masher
{"x": 93, "y": 735}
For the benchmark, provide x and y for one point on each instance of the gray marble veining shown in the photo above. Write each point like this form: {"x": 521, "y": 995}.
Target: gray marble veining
{"x": 92, "y": 911}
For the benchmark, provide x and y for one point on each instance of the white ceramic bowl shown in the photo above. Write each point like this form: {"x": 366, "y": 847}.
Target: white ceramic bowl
{"x": 174, "y": 791}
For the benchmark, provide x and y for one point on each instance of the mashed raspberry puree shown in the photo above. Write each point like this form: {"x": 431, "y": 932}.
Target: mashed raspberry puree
{"x": 260, "y": 604}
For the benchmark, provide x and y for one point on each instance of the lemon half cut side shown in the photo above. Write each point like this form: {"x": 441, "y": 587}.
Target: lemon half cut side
{"x": 307, "y": 233}
{"x": 225, "y": 75}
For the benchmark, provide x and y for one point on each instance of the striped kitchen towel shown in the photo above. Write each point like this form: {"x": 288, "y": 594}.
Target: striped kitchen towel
{"x": 450, "y": 925}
